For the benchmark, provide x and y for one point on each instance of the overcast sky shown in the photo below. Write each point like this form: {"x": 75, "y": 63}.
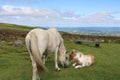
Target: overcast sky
{"x": 62, "y": 13}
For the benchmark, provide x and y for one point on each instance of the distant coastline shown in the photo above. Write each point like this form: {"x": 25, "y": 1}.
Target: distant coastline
{"x": 95, "y": 31}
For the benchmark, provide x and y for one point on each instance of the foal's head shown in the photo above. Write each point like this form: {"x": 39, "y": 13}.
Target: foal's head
{"x": 72, "y": 55}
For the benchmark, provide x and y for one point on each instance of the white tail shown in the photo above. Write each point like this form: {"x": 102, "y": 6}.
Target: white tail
{"x": 36, "y": 53}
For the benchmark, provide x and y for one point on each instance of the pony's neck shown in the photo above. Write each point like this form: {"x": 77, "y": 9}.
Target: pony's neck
{"x": 62, "y": 49}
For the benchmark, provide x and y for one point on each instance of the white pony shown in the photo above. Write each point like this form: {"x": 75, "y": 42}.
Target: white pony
{"x": 40, "y": 43}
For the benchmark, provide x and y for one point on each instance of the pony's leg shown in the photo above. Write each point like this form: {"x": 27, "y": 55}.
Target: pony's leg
{"x": 44, "y": 58}
{"x": 79, "y": 66}
{"x": 56, "y": 60}
{"x": 35, "y": 70}
{"x": 74, "y": 64}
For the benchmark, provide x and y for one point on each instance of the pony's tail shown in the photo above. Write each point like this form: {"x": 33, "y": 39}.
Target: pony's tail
{"x": 36, "y": 53}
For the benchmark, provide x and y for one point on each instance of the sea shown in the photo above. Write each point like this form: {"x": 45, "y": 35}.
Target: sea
{"x": 95, "y": 31}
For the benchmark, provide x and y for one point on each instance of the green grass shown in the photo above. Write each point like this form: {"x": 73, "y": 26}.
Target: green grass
{"x": 13, "y": 28}
{"x": 15, "y": 63}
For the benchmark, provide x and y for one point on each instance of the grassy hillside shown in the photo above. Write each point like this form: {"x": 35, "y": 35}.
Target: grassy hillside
{"x": 4, "y": 27}
{"x": 15, "y": 63}
{"x": 10, "y": 32}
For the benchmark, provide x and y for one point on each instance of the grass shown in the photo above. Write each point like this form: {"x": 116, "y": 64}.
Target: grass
{"x": 15, "y": 63}
{"x": 12, "y": 28}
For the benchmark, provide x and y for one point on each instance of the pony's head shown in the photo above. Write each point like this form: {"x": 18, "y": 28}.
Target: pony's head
{"x": 64, "y": 59}
{"x": 72, "y": 55}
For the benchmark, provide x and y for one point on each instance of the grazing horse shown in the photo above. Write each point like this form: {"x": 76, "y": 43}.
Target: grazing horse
{"x": 39, "y": 44}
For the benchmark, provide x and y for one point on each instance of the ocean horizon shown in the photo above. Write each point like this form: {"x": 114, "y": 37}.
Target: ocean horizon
{"x": 95, "y": 31}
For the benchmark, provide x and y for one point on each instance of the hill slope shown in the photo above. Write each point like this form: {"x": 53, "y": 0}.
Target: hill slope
{"x": 13, "y": 31}
{"x": 15, "y": 63}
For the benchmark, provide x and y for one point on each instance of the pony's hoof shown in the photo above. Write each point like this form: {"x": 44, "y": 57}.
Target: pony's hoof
{"x": 74, "y": 64}
{"x": 76, "y": 67}
{"x": 57, "y": 69}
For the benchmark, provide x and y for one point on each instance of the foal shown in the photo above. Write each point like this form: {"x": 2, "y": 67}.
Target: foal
{"x": 81, "y": 59}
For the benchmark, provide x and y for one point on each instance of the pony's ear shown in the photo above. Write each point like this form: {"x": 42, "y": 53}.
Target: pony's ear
{"x": 73, "y": 50}
{"x": 66, "y": 51}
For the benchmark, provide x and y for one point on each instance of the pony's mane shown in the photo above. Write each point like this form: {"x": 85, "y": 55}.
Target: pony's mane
{"x": 62, "y": 48}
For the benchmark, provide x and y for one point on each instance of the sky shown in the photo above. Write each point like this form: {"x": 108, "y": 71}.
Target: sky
{"x": 61, "y": 13}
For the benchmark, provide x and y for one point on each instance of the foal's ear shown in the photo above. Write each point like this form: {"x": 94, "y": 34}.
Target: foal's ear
{"x": 73, "y": 50}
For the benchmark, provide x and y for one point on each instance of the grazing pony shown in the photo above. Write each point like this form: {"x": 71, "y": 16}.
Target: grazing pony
{"x": 81, "y": 59}
{"x": 39, "y": 44}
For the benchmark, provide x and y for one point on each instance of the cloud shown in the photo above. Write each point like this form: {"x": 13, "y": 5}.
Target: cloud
{"x": 100, "y": 19}
{"x": 30, "y": 16}
{"x": 24, "y": 11}
{"x": 26, "y": 1}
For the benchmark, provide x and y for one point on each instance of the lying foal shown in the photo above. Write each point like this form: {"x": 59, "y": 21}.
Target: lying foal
{"x": 81, "y": 59}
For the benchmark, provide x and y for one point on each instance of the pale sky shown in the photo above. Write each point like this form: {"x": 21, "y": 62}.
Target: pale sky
{"x": 62, "y": 13}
